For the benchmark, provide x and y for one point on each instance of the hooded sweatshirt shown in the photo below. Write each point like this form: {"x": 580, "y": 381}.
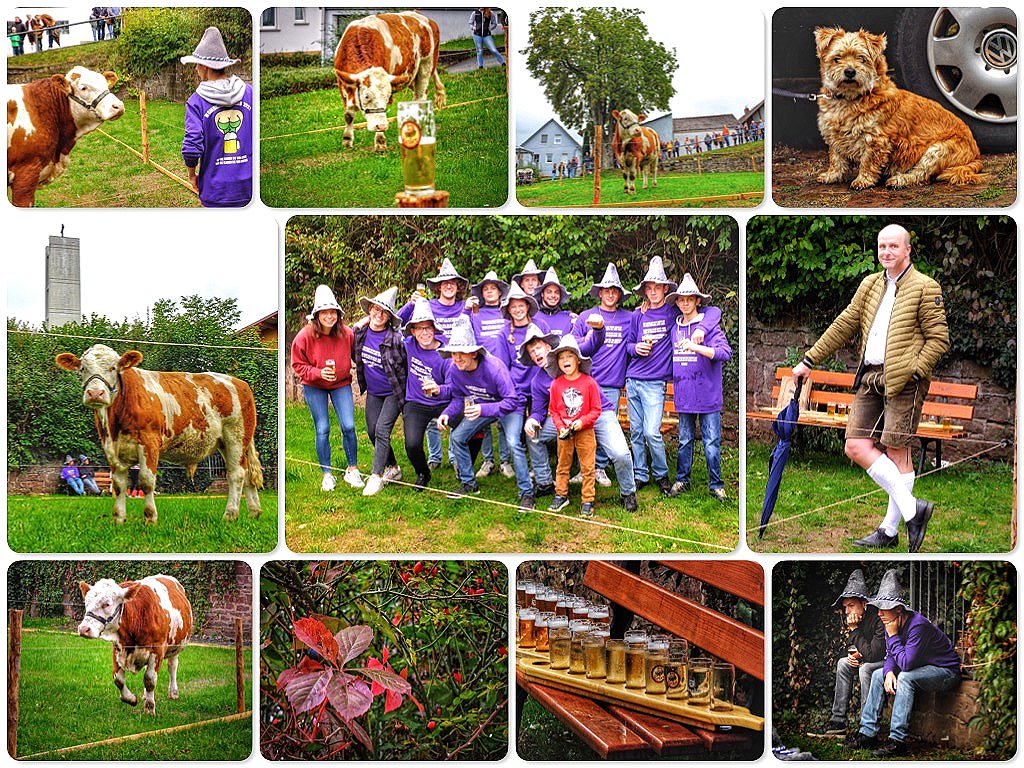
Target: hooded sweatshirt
{"x": 218, "y": 138}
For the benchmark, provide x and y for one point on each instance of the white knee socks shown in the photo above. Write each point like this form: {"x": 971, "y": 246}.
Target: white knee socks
{"x": 892, "y": 516}
{"x": 888, "y": 476}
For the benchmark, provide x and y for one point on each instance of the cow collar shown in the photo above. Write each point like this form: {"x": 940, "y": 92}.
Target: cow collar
{"x": 90, "y": 105}
{"x": 104, "y": 622}
{"x": 627, "y": 126}
{"x": 359, "y": 103}
{"x": 113, "y": 389}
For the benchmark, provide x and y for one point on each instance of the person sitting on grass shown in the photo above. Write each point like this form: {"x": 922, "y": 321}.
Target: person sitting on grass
{"x": 427, "y": 392}
{"x": 69, "y": 474}
{"x": 575, "y": 407}
{"x": 551, "y": 295}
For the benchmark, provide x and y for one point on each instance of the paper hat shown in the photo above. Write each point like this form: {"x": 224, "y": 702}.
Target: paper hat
{"x": 385, "y": 301}
{"x": 567, "y": 342}
{"x": 610, "y": 280}
{"x": 211, "y": 51}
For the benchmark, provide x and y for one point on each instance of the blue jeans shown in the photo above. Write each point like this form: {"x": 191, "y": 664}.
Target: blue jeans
{"x": 487, "y": 448}
{"x": 489, "y": 42}
{"x": 608, "y": 434}
{"x": 458, "y": 444}
{"x": 845, "y": 675}
{"x": 76, "y": 485}
{"x": 344, "y": 410}
{"x": 711, "y": 436}
{"x": 612, "y": 393}
{"x": 926, "y": 678}
{"x": 434, "y": 452}
{"x": 646, "y": 402}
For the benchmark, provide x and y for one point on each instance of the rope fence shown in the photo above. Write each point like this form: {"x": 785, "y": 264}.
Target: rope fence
{"x": 65, "y": 27}
{"x": 270, "y": 350}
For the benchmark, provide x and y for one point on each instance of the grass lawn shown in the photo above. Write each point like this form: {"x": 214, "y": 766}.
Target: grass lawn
{"x": 67, "y": 697}
{"x": 671, "y": 186}
{"x": 96, "y": 55}
{"x": 103, "y": 174}
{"x": 467, "y": 44}
{"x": 315, "y": 170}
{"x": 401, "y": 520}
{"x": 973, "y": 505}
{"x": 186, "y": 523}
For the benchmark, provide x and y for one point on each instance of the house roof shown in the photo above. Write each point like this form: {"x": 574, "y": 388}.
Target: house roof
{"x": 702, "y": 123}
{"x": 549, "y": 122}
{"x": 752, "y": 111}
{"x": 650, "y": 120}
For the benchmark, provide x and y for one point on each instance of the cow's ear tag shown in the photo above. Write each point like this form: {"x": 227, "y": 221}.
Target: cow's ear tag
{"x": 409, "y": 134}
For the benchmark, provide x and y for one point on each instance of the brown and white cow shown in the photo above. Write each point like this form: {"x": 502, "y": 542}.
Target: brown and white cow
{"x": 44, "y": 120}
{"x": 378, "y": 56}
{"x": 635, "y": 147}
{"x": 143, "y": 416}
{"x": 147, "y": 621}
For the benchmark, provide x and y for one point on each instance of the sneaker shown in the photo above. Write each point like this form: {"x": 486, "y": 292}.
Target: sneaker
{"x": 328, "y": 483}
{"x": 858, "y": 740}
{"x": 664, "y": 485}
{"x": 507, "y": 469}
{"x": 629, "y": 502}
{"x": 829, "y": 729}
{"x": 433, "y": 466}
{"x": 891, "y": 748}
{"x": 487, "y": 468}
{"x": 466, "y": 489}
{"x": 576, "y": 479}
{"x": 587, "y": 510}
{"x": 719, "y": 493}
{"x": 422, "y": 481}
{"x": 677, "y": 488}
{"x": 558, "y": 504}
{"x": 352, "y": 477}
{"x": 544, "y": 490}
{"x": 640, "y": 484}
{"x": 373, "y": 485}
{"x": 527, "y": 501}
{"x": 602, "y": 478}
{"x": 392, "y": 473}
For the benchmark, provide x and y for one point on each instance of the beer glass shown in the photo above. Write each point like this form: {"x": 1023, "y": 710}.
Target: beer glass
{"x": 521, "y": 593}
{"x": 636, "y": 657}
{"x": 675, "y": 670}
{"x": 616, "y": 664}
{"x": 699, "y": 680}
{"x": 594, "y": 655}
{"x": 540, "y": 630}
{"x": 417, "y": 137}
{"x": 654, "y": 664}
{"x": 562, "y": 606}
{"x": 577, "y": 662}
{"x": 579, "y": 608}
{"x": 527, "y": 625}
{"x": 831, "y": 409}
{"x": 559, "y": 639}
{"x": 599, "y": 614}
{"x": 723, "y": 686}
{"x": 531, "y": 586}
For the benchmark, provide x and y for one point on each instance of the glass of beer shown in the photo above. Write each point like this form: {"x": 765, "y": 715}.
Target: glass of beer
{"x": 598, "y": 613}
{"x": 831, "y": 409}
{"x": 562, "y": 606}
{"x": 521, "y": 593}
{"x": 559, "y": 640}
{"x": 675, "y": 669}
{"x": 417, "y": 137}
{"x": 699, "y": 680}
{"x": 531, "y": 594}
{"x": 579, "y": 609}
{"x": 723, "y": 686}
{"x": 654, "y": 664}
{"x": 527, "y": 627}
{"x": 540, "y": 630}
{"x": 594, "y": 655}
{"x": 616, "y": 664}
{"x": 636, "y": 657}
{"x": 577, "y": 661}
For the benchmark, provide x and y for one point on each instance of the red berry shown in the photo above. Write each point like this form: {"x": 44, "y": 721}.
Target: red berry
{"x": 479, "y": 580}
{"x": 502, "y": 650}
{"x": 431, "y": 725}
{"x": 405, "y": 578}
{"x": 418, "y": 568}
{"x": 494, "y": 574}
{"x": 457, "y": 677}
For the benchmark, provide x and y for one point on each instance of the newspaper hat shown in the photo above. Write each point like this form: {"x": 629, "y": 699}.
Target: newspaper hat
{"x": 529, "y": 269}
{"x": 610, "y": 280}
{"x": 567, "y": 342}
{"x": 323, "y": 299}
{"x": 448, "y": 272}
{"x": 533, "y": 333}
{"x": 385, "y": 301}
{"x": 856, "y": 586}
{"x": 551, "y": 278}
{"x": 515, "y": 292}
{"x": 688, "y": 287}
{"x": 421, "y": 312}
{"x": 890, "y": 594}
{"x": 211, "y": 51}
{"x": 490, "y": 277}
{"x": 656, "y": 274}
{"x": 462, "y": 339}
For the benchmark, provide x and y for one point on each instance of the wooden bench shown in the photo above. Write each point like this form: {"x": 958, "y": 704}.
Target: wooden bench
{"x": 941, "y": 419}
{"x": 614, "y": 731}
{"x": 102, "y": 478}
{"x": 669, "y": 417}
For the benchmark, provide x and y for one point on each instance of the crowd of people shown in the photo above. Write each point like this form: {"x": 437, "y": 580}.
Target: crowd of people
{"x": 105, "y": 24}
{"x": 512, "y": 355}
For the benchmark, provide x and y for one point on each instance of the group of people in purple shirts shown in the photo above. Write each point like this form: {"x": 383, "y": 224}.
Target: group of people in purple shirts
{"x": 477, "y": 355}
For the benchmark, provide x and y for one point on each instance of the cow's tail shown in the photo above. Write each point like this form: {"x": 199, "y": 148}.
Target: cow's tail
{"x": 253, "y": 468}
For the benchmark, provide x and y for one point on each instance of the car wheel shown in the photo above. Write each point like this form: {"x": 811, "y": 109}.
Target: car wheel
{"x": 965, "y": 59}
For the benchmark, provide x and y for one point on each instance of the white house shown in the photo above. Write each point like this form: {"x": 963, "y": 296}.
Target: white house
{"x": 548, "y": 146}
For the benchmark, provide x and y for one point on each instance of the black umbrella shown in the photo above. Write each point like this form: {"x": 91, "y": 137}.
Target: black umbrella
{"x": 784, "y": 426}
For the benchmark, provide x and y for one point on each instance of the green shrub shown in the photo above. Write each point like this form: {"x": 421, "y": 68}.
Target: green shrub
{"x": 288, "y": 59}
{"x": 281, "y": 81}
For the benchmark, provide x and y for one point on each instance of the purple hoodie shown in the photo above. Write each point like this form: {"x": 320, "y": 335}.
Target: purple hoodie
{"x": 423, "y": 364}
{"x": 218, "y": 138}
{"x": 657, "y": 324}
{"x": 444, "y": 315}
{"x": 488, "y": 326}
{"x": 609, "y": 366}
{"x": 919, "y": 643}
{"x": 697, "y": 381}
{"x": 489, "y": 385}
{"x": 522, "y": 375}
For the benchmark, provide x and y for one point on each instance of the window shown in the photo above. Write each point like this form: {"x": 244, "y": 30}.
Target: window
{"x": 300, "y": 16}
{"x": 543, "y": 138}
{"x": 558, "y": 139}
{"x": 268, "y": 19}
{"x": 550, "y": 157}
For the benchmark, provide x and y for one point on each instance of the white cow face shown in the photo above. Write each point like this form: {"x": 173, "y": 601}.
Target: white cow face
{"x": 629, "y": 122}
{"x": 85, "y": 87}
{"x": 374, "y": 90}
{"x": 104, "y": 602}
{"x": 100, "y": 370}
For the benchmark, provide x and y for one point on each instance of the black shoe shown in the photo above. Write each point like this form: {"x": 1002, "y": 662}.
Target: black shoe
{"x": 558, "y": 504}
{"x": 859, "y": 740}
{"x": 629, "y": 502}
{"x": 891, "y": 748}
{"x": 544, "y": 490}
{"x": 422, "y": 481}
{"x": 527, "y": 501}
{"x": 918, "y": 524}
{"x": 829, "y": 729}
{"x": 641, "y": 484}
{"x": 587, "y": 509}
{"x": 466, "y": 489}
{"x": 665, "y": 486}
{"x": 878, "y": 540}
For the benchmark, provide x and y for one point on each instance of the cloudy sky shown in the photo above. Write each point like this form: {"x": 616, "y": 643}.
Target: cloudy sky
{"x": 720, "y": 55}
{"x": 130, "y": 259}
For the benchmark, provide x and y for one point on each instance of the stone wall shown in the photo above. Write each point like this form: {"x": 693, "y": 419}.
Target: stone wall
{"x": 233, "y": 603}
{"x": 994, "y": 408}
{"x": 940, "y": 716}
{"x": 713, "y": 163}
{"x": 45, "y": 478}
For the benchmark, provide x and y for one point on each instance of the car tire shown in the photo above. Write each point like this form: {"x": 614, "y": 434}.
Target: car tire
{"x": 913, "y": 68}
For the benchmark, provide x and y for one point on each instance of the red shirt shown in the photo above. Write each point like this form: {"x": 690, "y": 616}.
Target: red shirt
{"x": 310, "y": 356}
{"x": 571, "y": 400}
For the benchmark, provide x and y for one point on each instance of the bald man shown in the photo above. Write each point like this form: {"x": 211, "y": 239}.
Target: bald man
{"x": 900, "y": 316}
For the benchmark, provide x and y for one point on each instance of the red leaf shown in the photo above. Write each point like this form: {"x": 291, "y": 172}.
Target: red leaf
{"x": 359, "y": 733}
{"x": 308, "y": 691}
{"x": 308, "y": 665}
{"x": 352, "y": 641}
{"x": 387, "y": 679}
{"x": 392, "y": 701}
{"x": 314, "y": 634}
{"x": 351, "y": 698}
{"x": 284, "y": 677}
{"x": 457, "y": 677}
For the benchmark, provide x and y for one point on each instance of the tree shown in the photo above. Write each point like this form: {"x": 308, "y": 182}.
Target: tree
{"x": 593, "y": 60}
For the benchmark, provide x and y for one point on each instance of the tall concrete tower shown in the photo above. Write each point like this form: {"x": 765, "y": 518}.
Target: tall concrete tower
{"x": 63, "y": 281}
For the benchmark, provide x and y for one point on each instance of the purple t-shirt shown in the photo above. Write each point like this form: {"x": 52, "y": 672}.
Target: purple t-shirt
{"x": 426, "y": 364}
{"x": 489, "y": 385}
{"x": 522, "y": 375}
{"x": 654, "y": 325}
{"x": 559, "y": 323}
{"x": 444, "y": 315}
{"x": 609, "y": 368}
{"x": 377, "y": 383}
{"x": 488, "y": 325}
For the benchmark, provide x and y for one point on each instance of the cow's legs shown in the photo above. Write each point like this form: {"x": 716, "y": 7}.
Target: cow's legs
{"x": 23, "y": 188}
{"x": 119, "y": 669}
{"x": 236, "y": 479}
{"x": 149, "y": 458}
{"x": 380, "y": 141}
{"x": 172, "y": 671}
{"x": 350, "y": 115}
{"x": 440, "y": 94}
{"x": 119, "y": 481}
{"x": 149, "y": 680}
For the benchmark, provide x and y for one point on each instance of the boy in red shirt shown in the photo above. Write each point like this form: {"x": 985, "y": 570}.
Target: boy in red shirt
{"x": 575, "y": 406}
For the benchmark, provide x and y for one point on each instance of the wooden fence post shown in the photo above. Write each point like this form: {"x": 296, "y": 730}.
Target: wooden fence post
{"x": 239, "y": 666}
{"x": 699, "y": 171}
{"x": 13, "y": 677}
{"x": 145, "y": 127}
{"x": 597, "y": 164}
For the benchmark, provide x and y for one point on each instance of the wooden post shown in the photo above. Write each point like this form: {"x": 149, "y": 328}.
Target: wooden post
{"x": 239, "y": 666}
{"x": 145, "y": 127}
{"x": 436, "y": 199}
{"x": 698, "y": 166}
{"x": 13, "y": 677}
{"x": 597, "y": 164}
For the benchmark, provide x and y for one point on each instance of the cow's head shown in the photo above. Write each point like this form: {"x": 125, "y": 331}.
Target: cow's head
{"x": 100, "y": 369}
{"x": 90, "y": 94}
{"x": 628, "y": 122}
{"x": 104, "y": 603}
{"x": 374, "y": 89}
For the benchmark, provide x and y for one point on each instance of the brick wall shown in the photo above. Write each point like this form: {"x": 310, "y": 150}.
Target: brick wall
{"x": 225, "y": 607}
{"x": 728, "y": 163}
{"x": 45, "y": 478}
{"x": 940, "y": 716}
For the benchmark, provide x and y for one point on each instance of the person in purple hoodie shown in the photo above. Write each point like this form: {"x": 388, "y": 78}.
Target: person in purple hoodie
{"x": 217, "y": 147}
{"x": 520, "y": 309}
{"x": 697, "y": 386}
{"x": 482, "y": 392}
{"x": 427, "y": 392}
{"x": 551, "y": 296}
{"x": 918, "y": 657}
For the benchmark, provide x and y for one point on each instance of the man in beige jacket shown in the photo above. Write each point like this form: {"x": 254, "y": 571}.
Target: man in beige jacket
{"x": 902, "y": 322}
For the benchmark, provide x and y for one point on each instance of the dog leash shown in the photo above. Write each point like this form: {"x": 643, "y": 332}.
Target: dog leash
{"x": 794, "y": 95}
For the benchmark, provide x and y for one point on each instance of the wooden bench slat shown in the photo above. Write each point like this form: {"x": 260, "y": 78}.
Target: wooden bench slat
{"x": 845, "y": 379}
{"x": 717, "y": 741}
{"x": 664, "y": 736}
{"x": 728, "y": 639}
{"x": 737, "y": 577}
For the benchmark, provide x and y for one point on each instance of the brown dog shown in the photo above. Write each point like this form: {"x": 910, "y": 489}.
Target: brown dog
{"x": 868, "y": 122}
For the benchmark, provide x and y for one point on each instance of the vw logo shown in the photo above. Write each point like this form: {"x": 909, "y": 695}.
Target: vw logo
{"x": 999, "y": 49}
